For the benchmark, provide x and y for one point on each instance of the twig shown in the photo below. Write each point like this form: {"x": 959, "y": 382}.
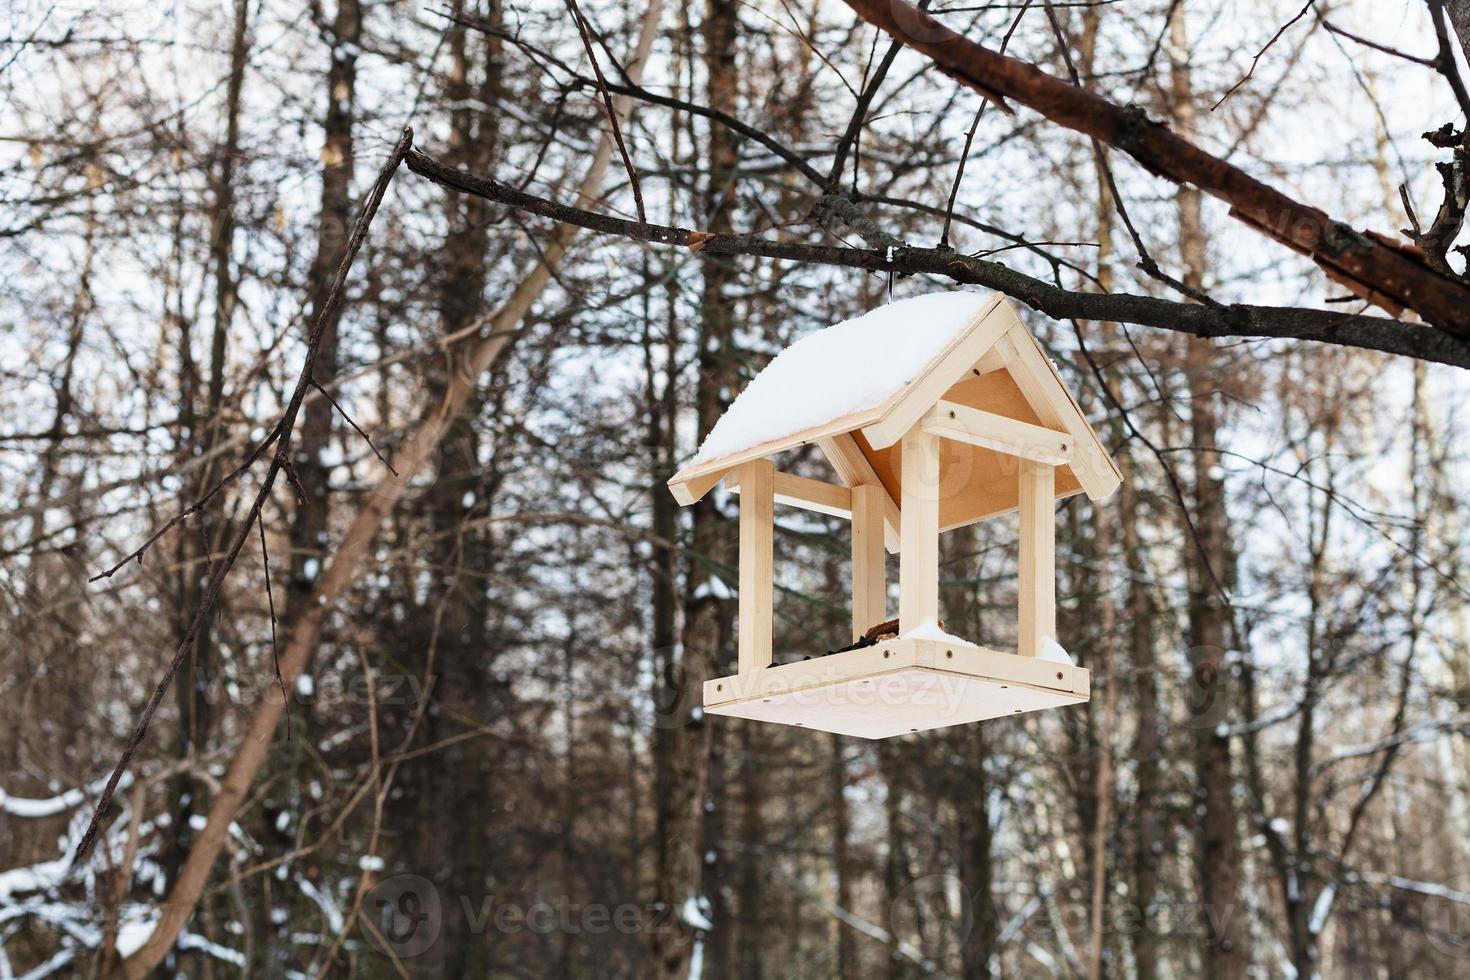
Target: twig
{"x": 294, "y": 479}
{"x": 1145, "y": 258}
{"x": 860, "y": 111}
{"x": 355, "y": 427}
{"x": 1409, "y": 210}
{"x": 194, "y": 508}
{"x": 959, "y": 173}
{"x": 279, "y": 462}
{"x": 1376, "y": 46}
{"x": 1175, "y": 486}
{"x": 1257, "y": 59}
{"x": 612, "y": 116}
{"x": 270, "y": 600}
{"x": 1445, "y": 62}
{"x": 986, "y": 253}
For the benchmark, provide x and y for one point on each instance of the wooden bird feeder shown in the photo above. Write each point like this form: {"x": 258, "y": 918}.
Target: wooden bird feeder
{"x": 935, "y": 412}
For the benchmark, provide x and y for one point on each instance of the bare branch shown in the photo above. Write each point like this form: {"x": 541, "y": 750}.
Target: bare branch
{"x": 1371, "y": 333}
{"x": 355, "y": 427}
{"x": 270, "y": 599}
{"x": 612, "y": 116}
{"x": 278, "y": 463}
{"x": 1261, "y": 53}
{"x": 1380, "y": 271}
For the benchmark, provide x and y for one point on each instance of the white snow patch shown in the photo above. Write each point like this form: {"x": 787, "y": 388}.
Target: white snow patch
{"x": 696, "y": 959}
{"x": 1322, "y": 908}
{"x": 18, "y": 806}
{"x": 36, "y": 878}
{"x": 695, "y": 913}
{"x": 325, "y": 902}
{"x": 132, "y": 934}
{"x": 197, "y": 821}
{"x": 716, "y": 587}
{"x": 370, "y": 862}
{"x": 929, "y": 630}
{"x": 854, "y": 365}
{"x": 190, "y": 940}
{"x": 1054, "y": 652}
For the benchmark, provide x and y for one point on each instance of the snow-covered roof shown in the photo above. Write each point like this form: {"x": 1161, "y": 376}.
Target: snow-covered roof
{"x": 857, "y": 386}
{"x": 853, "y": 365}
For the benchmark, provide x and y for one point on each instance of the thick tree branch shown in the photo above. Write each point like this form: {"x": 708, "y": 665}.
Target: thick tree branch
{"x": 1368, "y": 332}
{"x": 1390, "y": 275}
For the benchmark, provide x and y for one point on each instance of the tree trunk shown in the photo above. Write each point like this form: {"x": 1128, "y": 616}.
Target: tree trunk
{"x": 755, "y": 919}
{"x": 1148, "y": 830}
{"x": 847, "y": 960}
{"x": 681, "y": 751}
{"x": 1208, "y": 560}
{"x": 206, "y": 430}
{"x": 976, "y": 858}
{"x": 1459, "y": 11}
{"x": 893, "y": 766}
{"x": 458, "y": 821}
{"x": 309, "y": 527}
{"x": 968, "y": 783}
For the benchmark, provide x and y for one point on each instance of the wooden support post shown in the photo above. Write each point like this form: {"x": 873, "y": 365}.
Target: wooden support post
{"x": 757, "y": 524}
{"x": 918, "y": 555}
{"x": 869, "y": 590}
{"x": 1037, "y": 617}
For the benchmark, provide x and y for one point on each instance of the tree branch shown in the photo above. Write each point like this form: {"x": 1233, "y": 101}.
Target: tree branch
{"x": 1348, "y": 330}
{"x": 1389, "y": 275}
{"x": 279, "y": 462}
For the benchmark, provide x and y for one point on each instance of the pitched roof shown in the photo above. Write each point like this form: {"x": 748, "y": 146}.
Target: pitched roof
{"x": 875, "y": 375}
{"x": 855, "y": 365}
